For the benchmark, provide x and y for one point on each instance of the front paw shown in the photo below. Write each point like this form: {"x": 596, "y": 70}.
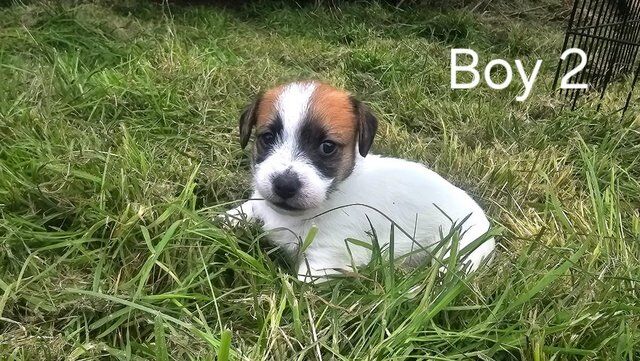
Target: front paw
{"x": 233, "y": 217}
{"x": 316, "y": 273}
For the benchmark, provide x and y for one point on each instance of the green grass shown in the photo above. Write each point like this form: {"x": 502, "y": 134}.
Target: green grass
{"x": 118, "y": 146}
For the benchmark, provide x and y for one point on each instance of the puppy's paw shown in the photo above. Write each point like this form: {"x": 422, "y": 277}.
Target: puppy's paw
{"x": 317, "y": 272}
{"x": 233, "y": 217}
{"x": 226, "y": 221}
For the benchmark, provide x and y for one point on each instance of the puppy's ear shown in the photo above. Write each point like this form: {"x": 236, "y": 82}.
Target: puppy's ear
{"x": 248, "y": 120}
{"x": 367, "y": 125}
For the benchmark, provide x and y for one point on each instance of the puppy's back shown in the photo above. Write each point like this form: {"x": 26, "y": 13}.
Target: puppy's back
{"x": 417, "y": 199}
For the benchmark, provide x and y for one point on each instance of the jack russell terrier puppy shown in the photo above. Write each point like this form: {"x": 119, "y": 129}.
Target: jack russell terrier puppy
{"x": 312, "y": 168}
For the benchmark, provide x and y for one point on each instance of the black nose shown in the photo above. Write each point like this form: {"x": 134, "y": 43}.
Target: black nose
{"x": 286, "y": 184}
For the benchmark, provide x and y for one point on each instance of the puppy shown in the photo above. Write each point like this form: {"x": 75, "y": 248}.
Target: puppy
{"x": 312, "y": 168}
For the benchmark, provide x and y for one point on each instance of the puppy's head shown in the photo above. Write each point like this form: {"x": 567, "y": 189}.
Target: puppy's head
{"x": 308, "y": 136}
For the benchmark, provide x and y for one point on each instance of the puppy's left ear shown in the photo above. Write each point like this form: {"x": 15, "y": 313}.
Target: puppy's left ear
{"x": 248, "y": 121}
{"x": 367, "y": 126}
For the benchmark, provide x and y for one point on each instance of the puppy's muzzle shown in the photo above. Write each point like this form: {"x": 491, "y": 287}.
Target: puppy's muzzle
{"x": 286, "y": 184}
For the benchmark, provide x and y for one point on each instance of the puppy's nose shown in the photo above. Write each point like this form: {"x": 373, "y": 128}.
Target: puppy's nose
{"x": 286, "y": 184}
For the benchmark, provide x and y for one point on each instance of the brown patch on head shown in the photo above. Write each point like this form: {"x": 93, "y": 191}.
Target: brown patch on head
{"x": 266, "y": 111}
{"x": 333, "y": 110}
{"x": 259, "y": 114}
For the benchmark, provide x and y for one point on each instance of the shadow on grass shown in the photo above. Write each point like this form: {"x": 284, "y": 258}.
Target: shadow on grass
{"x": 346, "y": 23}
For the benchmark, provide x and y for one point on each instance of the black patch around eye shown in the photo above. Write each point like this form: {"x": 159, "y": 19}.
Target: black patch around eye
{"x": 262, "y": 150}
{"x": 312, "y": 134}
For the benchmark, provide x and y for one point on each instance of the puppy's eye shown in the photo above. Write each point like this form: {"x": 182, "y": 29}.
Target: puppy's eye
{"x": 328, "y": 147}
{"x": 267, "y": 138}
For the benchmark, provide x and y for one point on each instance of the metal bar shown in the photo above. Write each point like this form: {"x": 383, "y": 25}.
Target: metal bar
{"x": 575, "y": 93}
{"x": 602, "y": 45}
{"x": 633, "y": 84}
{"x": 573, "y": 41}
{"x": 628, "y": 58}
{"x": 564, "y": 44}
{"x": 613, "y": 72}
{"x": 631, "y": 51}
{"x": 600, "y": 63}
{"x": 624, "y": 35}
{"x": 617, "y": 41}
{"x": 586, "y": 75}
{"x": 603, "y": 25}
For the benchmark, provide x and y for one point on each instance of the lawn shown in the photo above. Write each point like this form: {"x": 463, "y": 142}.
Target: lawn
{"x": 119, "y": 146}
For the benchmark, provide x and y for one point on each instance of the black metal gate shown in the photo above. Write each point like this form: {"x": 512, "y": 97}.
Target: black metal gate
{"x": 608, "y": 31}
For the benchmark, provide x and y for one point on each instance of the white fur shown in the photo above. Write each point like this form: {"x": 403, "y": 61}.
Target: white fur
{"x": 293, "y": 103}
{"x": 407, "y": 192}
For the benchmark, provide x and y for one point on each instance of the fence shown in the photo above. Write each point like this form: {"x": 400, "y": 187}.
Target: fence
{"x": 608, "y": 31}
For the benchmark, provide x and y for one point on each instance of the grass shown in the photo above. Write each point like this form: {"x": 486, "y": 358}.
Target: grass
{"x": 118, "y": 145}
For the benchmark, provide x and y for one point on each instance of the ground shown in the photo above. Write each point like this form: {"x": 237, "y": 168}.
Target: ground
{"x": 118, "y": 146}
